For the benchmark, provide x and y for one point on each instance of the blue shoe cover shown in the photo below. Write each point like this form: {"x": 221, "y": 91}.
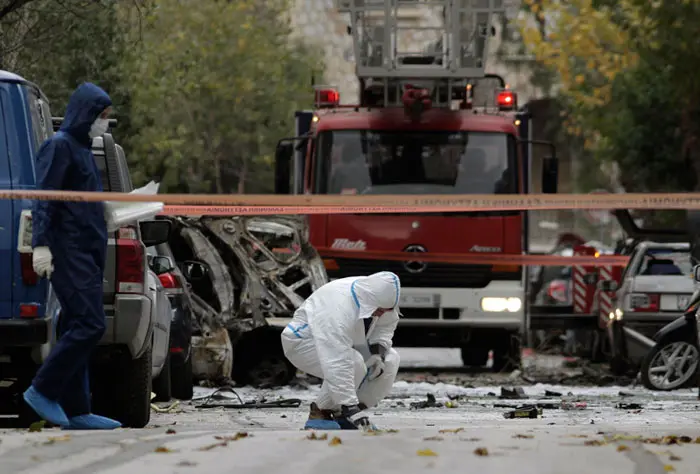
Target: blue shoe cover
{"x": 321, "y": 425}
{"x": 48, "y": 410}
{"x": 92, "y": 422}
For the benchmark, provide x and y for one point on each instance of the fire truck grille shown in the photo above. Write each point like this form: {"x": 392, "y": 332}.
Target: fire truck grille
{"x": 418, "y": 275}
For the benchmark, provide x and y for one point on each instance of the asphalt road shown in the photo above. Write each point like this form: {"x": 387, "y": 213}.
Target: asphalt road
{"x": 599, "y": 436}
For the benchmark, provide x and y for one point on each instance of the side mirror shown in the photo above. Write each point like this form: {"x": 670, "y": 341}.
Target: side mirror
{"x": 194, "y": 271}
{"x": 550, "y": 175}
{"x": 696, "y": 273}
{"x": 608, "y": 285}
{"x": 283, "y": 167}
{"x": 160, "y": 264}
{"x": 155, "y": 232}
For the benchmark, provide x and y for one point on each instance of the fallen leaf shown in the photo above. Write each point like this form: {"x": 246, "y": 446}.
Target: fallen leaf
{"x": 186, "y": 464}
{"x": 523, "y": 436}
{"x": 335, "y": 441}
{"x": 594, "y": 442}
{"x": 426, "y": 452}
{"x": 163, "y": 449}
{"x": 392, "y": 431}
{"x": 471, "y": 440}
{"x": 453, "y": 430}
{"x": 578, "y": 436}
{"x": 669, "y": 468}
{"x": 56, "y": 439}
{"x": 37, "y": 426}
{"x": 314, "y": 436}
{"x": 481, "y": 452}
{"x": 622, "y": 448}
{"x": 223, "y": 444}
{"x": 674, "y": 457}
{"x": 170, "y": 431}
{"x": 236, "y": 437}
{"x": 433, "y": 438}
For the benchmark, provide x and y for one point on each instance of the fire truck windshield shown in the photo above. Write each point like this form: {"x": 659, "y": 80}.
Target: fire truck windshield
{"x": 388, "y": 162}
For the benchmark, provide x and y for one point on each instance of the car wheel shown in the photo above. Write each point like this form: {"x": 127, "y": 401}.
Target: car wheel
{"x": 123, "y": 391}
{"x": 181, "y": 381}
{"x": 161, "y": 384}
{"x": 260, "y": 360}
{"x": 670, "y": 366}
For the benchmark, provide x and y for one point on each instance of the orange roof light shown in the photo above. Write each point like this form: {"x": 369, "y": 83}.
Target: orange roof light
{"x": 506, "y": 100}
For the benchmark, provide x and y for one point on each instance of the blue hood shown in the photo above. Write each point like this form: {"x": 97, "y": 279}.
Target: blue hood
{"x": 85, "y": 105}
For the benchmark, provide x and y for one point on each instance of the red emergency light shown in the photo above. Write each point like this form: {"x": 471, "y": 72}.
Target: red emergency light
{"x": 327, "y": 98}
{"x": 506, "y": 100}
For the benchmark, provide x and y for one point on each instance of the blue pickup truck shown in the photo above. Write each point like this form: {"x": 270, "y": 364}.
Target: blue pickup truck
{"x": 25, "y": 122}
{"x": 135, "y": 346}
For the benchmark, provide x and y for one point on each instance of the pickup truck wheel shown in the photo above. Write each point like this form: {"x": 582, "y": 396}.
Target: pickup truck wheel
{"x": 161, "y": 384}
{"x": 181, "y": 380}
{"x": 124, "y": 391}
{"x": 474, "y": 356}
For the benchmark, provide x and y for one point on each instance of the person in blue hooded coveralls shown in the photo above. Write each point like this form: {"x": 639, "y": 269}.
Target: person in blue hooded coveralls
{"x": 69, "y": 241}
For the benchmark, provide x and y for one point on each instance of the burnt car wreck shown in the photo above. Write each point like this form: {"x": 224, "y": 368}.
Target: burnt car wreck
{"x": 258, "y": 270}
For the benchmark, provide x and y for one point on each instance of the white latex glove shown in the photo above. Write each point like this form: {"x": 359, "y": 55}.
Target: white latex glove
{"x": 42, "y": 261}
{"x": 375, "y": 366}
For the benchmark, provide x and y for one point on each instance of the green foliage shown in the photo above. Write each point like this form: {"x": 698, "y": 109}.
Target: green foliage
{"x": 213, "y": 89}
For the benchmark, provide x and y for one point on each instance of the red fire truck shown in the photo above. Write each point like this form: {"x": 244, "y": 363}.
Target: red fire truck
{"x": 419, "y": 129}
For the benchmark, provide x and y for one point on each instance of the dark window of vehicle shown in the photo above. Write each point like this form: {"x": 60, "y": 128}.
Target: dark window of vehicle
{"x": 41, "y": 124}
{"x": 660, "y": 261}
{"x": 378, "y": 162}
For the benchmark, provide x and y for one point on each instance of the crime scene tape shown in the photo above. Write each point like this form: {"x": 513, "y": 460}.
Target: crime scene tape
{"x": 478, "y": 258}
{"x": 369, "y": 204}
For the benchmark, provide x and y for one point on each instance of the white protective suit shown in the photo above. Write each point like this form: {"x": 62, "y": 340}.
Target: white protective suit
{"x": 327, "y": 338}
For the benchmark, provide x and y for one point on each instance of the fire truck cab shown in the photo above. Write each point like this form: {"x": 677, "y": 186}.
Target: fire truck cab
{"x": 418, "y": 130}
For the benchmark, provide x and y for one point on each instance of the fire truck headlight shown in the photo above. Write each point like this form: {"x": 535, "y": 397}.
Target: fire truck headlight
{"x": 499, "y": 305}
{"x": 618, "y": 314}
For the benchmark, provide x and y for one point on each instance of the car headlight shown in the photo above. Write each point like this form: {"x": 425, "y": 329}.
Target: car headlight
{"x": 616, "y": 315}
{"x": 499, "y": 305}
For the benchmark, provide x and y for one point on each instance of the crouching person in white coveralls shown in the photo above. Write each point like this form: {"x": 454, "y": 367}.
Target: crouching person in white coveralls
{"x": 343, "y": 334}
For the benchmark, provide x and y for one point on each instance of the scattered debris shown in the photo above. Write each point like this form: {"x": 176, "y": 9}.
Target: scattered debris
{"x": 523, "y": 436}
{"x": 313, "y": 436}
{"x": 512, "y": 393}
{"x": 186, "y": 464}
{"x": 451, "y": 404}
{"x": 37, "y": 426}
{"x": 470, "y": 440}
{"x": 225, "y": 440}
{"x": 573, "y": 405}
{"x": 481, "y": 452}
{"x": 622, "y": 448}
{"x": 429, "y": 403}
{"x": 163, "y": 449}
{"x": 674, "y": 457}
{"x": 426, "y": 452}
{"x": 594, "y": 442}
{"x": 669, "y": 468}
{"x": 629, "y": 406}
{"x": 528, "y": 411}
{"x": 335, "y": 441}
{"x": 170, "y": 431}
{"x": 433, "y": 438}
{"x": 551, "y": 393}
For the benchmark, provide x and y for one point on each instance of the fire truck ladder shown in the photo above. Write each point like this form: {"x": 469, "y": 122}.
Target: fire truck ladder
{"x": 386, "y": 32}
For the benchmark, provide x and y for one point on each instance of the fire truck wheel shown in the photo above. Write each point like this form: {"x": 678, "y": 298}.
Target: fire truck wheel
{"x": 507, "y": 353}
{"x": 474, "y": 356}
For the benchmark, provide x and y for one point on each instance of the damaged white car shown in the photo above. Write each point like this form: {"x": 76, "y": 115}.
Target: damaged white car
{"x": 258, "y": 271}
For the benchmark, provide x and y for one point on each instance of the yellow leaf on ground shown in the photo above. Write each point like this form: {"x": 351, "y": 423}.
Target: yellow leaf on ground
{"x": 335, "y": 441}
{"x": 426, "y": 452}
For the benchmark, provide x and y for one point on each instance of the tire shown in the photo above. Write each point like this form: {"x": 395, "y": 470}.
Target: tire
{"x": 123, "y": 391}
{"x": 161, "y": 384}
{"x": 507, "y": 353}
{"x": 260, "y": 361}
{"x": 474, "y": 356}
{"x": 650, "y": 361}
{"x": 181, "y": 380}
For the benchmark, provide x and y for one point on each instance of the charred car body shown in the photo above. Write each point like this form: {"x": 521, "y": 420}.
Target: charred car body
{"x": 247, "y": 275}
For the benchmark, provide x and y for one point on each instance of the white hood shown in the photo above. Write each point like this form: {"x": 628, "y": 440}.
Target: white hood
{"x": 379, "y": 290}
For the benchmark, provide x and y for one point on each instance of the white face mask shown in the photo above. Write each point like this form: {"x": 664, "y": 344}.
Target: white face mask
{"x": 99, "y": 127}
